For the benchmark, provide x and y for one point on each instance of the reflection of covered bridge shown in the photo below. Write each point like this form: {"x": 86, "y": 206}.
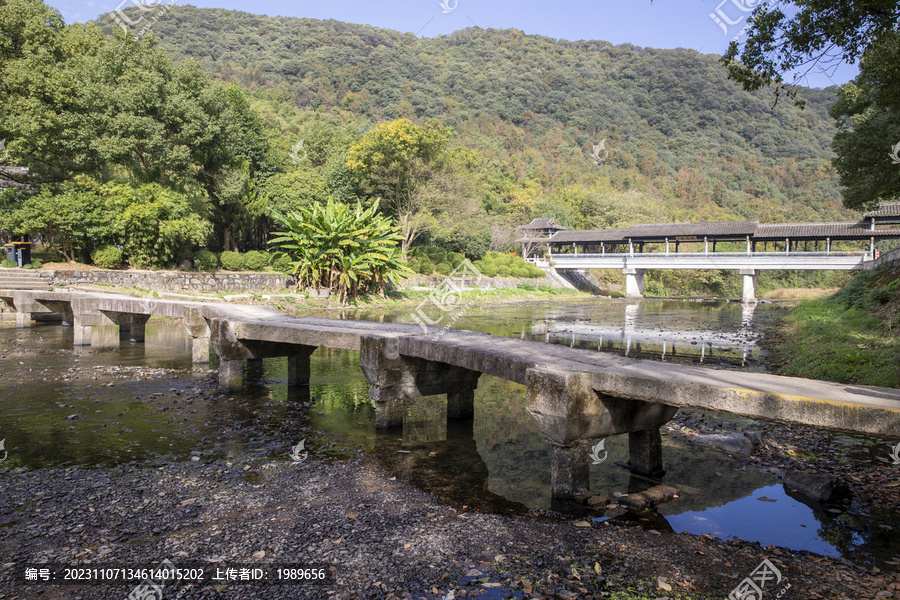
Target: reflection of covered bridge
{"x": 747, "y": 246}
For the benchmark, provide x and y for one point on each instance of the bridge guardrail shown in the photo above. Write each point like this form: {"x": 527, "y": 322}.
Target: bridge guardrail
{"x": 556, "y": 257}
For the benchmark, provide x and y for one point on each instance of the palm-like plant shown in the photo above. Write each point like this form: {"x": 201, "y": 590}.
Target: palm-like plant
{"x": 349, "y": 250}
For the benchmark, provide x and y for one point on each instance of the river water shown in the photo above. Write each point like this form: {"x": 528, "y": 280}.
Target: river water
{"x": 115, "y": 403}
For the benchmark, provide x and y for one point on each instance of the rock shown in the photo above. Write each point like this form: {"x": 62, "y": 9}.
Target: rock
{"x": 736, "y": 443}
{"x": 650, "y": 498}
{"x": 185, "y": 265}
{"x": 820, "y": 487}
{"x": 597, "y": 501}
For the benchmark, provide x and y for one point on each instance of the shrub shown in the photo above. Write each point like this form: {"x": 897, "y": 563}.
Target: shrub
{"x": 544, "y": 287}
{"x": 488, "y": 269}
{"x": 282, "y": 262}
{"x": 520, "y": 272}
{"x": 535, "y": 273}
{"x": 107, "y": 257}
{"x": 255, "y": 260}
{"x": 206, "y": 261}
{"x": 8, "y": 263}
{"x": 425, "y": 267}
{"x": 504, "y": 271}
{"x": 437, "y": 255}
{"x": 231, "y": 261}
{"x": 443, "y": 268}
{"x": 454, "y": 258}
{"x": 527, "y": 286}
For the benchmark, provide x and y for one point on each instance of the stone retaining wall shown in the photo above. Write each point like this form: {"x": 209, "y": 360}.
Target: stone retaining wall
{"x": 172, "y": 281}
{"x": 181, "y": 281}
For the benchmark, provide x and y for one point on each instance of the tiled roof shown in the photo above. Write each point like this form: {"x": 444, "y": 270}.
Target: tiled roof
{"x": 781, "y": 231}
{"x": 543, "y": 224}
{"x": 673, "y": 230}
{"x": 887, "y": 209}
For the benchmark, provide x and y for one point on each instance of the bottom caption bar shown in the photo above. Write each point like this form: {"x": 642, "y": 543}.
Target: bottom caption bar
{"x": 169, "y": 574}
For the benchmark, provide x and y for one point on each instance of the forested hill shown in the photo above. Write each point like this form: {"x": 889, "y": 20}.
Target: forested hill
{"x": 683, "y": 142}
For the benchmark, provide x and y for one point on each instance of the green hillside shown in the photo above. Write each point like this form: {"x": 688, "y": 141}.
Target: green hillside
{"x": 683, "y": 142}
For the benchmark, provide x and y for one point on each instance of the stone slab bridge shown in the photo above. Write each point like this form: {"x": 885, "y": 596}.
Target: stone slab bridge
{"x": 575, "y": 395}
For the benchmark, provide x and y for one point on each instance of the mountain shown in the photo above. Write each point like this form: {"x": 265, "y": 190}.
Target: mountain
{"x": 684, "y": 143}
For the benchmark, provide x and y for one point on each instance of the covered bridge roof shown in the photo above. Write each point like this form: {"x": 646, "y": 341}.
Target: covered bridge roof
{"x": 721, "y": 231}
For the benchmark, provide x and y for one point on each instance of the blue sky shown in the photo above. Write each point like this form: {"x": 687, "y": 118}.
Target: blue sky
{"x": 660, "y": 24}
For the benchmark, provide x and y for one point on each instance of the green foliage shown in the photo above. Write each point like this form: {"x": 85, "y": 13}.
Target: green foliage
{"x": 424, "y": 266}
{"x": 282, "y": 262}
{"x": 156, "y": 225}
{"x": 867, "y": 114}
{"x": 781, "y": 41}
{"x": 443, "y": 268}
{"x": 107, "y": 257}
{"x": 232, "y": 261}
{"x": 348, "y": 250}
{"x": 204, "y": 260}
{"x": 527, "y": 286}
{"x": 489, "y": 269}
{"x": 256, "y": 260}
{"x": 8, "y": 263}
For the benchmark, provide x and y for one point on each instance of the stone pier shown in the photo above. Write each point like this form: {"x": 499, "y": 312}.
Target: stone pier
{"x": 197, "y": 327}
{"x": 749, "y": 293}
{"x": 634, "y": 282}
{"x": 569, "y": 413}
{"x": 233, "y": 351}
{"x": 394, "y": 378}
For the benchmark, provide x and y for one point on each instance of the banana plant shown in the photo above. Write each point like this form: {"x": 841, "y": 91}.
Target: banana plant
{"x": 349, "y": 250}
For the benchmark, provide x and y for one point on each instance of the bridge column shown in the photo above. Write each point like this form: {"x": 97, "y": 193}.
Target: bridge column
{"x": 198, "y": 328}
{"x": 570, "y": 469}
{"x": 395, "y": 378}
{"x": 24, "y": 306}
{"x": 749, "y": 294}
{"x": 232, "y": 354}
{"x": 135, "y": 325}
{"x": 83, "y": 323}
{"x": 634, "y": 282}
{"x": 645, "y": 453}
{"x": 298, "y": 366}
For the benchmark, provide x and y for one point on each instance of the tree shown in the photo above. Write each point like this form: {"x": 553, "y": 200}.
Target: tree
{"x": 408, "y": 166}
{"x": 822, "y": 33}
{"x": 867, "y": 115}
{"x": 73, "y": 220}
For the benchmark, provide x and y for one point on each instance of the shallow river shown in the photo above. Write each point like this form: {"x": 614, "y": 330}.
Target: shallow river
{"x": 116, "y": 403}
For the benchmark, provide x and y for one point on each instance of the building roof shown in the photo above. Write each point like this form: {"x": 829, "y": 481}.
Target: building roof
{"x": 543, "y": 224}
{"x": 738, "y": 229}
{"x": 816, "y": 230}
{"x": 886, "y": 209}
{"x": 721, "y": 231}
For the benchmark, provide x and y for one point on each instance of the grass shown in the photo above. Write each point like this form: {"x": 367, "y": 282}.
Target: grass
{"x": 799, "y": 293}
{"x": 850, "y": 337}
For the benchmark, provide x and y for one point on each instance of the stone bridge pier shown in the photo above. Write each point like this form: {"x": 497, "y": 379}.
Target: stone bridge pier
{"x": 233, "y": 351}
{"x": 27, "y": 306}
{"x": 569, "y": 413}
{"x": 395, "y": 378}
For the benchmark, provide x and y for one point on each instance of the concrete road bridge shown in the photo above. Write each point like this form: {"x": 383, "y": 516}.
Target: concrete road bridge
{"x": 746, "y": 246}
{"x": 574, "y": 395}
